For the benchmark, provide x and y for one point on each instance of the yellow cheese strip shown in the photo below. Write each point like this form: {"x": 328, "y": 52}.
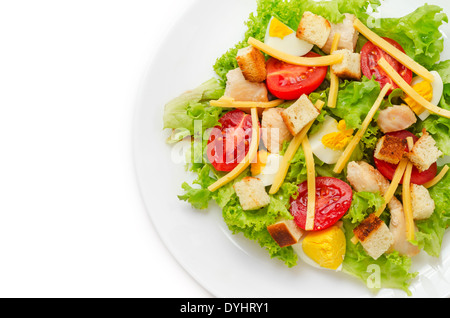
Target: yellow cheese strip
{"x": 231, "y": 103}
{"x": 290, "y": 153}
{"x": 399, "y": 172}
{"x": 393, "y": 51}
{"x": 436, "y": 179}
{"x": 334, "y": 80}
{"x": 253, "y": 150}
{"x": 410, "y": 91}
{"x": 407, "y": 205}
{"x": 406, "y": 195}
{"x": 296, "y": 60}
{"x": 391, "y": 190}
{"x": 311, "y": 180}
{"x": 410, "y": 143}
{"x": 340, "y": 165}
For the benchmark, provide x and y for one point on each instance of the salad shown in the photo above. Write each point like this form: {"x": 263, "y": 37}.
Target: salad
{"x": 325, "y": 136}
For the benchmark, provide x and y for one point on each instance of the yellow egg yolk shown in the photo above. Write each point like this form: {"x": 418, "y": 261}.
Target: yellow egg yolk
{"x": 326, "y": 247}
{"x": 338, "y": 140}
{"x": 425, "y": 89}
{"x": 278, "y": 29}
{"x": 261, "y": 161}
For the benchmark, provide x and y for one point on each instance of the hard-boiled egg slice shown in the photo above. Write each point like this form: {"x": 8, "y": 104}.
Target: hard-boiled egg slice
{"x": 283, "y": 38}
{"x": 266, "y": 167}
{"x": 323, "y": 249}
{"x": 329, "y": 142}
{"x": 430, "y": 91}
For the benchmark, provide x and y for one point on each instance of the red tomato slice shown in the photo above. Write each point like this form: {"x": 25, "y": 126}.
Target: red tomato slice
{"x": 371, "y": 54}
{"x": 333, "y": 199}
{"x": 229, "y": 143}
{"x": 388, "y": 169}
{"x": 289, "y": 82}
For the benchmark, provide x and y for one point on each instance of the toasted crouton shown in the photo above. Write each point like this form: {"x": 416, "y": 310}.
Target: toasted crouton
{"x": 349, "y": 35}
{"x": 285, "y": 232}
{"x": 299, "y": 114}
{"x": 422, "y": 203}
{"x": 424, "y": 153}
{"x": 252, "y": 63}
{"x": 350, "y": 67}
{"x": 251, "y": 193}
{"x": 314, "y": 29}
{"x": 390, "y": 149}
{"x": 374, "y": 236}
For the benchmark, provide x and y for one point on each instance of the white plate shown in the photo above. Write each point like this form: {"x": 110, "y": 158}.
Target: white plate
{"x": 229, "y": 265}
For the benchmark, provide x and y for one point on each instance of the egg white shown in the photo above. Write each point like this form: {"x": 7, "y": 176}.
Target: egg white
{"x": 438, "y": 89}
{"x": 290, "y": 44}
{"x": 325, "y": 154}
{"x": 268, "y": 173}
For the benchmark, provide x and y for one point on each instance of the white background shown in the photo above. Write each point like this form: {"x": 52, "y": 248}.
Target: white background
{"x": 72, "y": 222}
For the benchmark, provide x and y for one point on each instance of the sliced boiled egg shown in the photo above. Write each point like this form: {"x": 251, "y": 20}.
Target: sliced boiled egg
{"x": 323, "y": 249}
{"x": 266, "y": 166}
{"x": 432, "y": 92}
{"x": 283, "y": 38}
{"x": 329, "y": 142}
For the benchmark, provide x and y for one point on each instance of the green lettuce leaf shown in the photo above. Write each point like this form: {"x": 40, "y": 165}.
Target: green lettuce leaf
{"x": 432, "y": 230}
{"x": 388, "y": 271}
{"x": 354, "y": 101}
{"x": 181, "y": 113}
{"x": 363, "y": 203}
{"x": 418, "y": 33}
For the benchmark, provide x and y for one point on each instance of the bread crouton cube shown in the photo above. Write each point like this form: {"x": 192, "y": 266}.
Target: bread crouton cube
{"x": 252, "y": 63}
{"x": 390, "y": 149}
{"x": 251, "y": 193}
{"x": 424, "y": 153}
{"x": 374, "y": 236}
{"x": 350, "y": 67}
{"x": 314, "y": 29}
{"x": 285, "y": 232}
{"x": 422, "y": 204}
{"x": 299, "y": 114}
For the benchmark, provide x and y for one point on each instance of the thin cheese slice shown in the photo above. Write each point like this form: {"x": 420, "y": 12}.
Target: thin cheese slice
{"x": 311, "y": 180}
{"x": 410, "y": 91}
{"x": 334, "y": 80}
{"x": 341, "y": 163}
{"x": 391, "y": 190}
{"x": 393, "y": 51}
{"x": 407, "y": 205}
{"x": 296, "y": 60}
{"x": 436, "y": 179}
{"x": 290, "y": 153}
{"x": 253, "y": 150}
{"x": 231, "y": 103}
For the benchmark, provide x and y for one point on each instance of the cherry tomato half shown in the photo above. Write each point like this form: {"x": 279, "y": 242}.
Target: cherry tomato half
{"x": 333, "y": 199}
{"x": 388, "y": 169}
{"x": 371, "y": 54}
{"x": 289, "y": 82}
{"x": 229, "y": 143}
